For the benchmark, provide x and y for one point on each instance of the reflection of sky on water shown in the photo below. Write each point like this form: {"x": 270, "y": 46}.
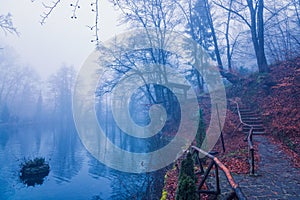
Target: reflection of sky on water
{"x": 74, "y": 173}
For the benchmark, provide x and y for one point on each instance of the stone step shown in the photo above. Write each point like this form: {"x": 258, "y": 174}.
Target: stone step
{"x": 254, "y": 126}
{"x": 256, "y": 132}
{"x": 250, "y": 116}
{"x": 245, "y": 110}
{"x": 253, "y": 122}
{"x": 255, "y": 129}
{"x": 248, "y": 113}
{"x": 251, "y": 119}
{"x": 256, "y": 119}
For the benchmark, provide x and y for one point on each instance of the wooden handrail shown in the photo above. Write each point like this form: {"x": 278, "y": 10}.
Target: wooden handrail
{"x": 251, "y": 151}
{"x": 239, "y": 113}
{"x": 238, "y": 192}
{"x": 248, "y": 139}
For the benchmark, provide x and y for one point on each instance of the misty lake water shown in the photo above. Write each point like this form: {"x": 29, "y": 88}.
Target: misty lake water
{"x": 74, "y": 172}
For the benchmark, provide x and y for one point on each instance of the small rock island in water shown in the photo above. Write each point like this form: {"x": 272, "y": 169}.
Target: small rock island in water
{"x": 34, "y": 171}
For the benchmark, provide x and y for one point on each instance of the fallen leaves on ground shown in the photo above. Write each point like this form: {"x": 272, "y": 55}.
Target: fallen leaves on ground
{"x": 276, "y": 96}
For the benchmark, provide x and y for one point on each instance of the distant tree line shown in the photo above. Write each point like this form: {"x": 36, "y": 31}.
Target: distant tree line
{"x": 25, "y": 98}
{"x": 238, "y": 35}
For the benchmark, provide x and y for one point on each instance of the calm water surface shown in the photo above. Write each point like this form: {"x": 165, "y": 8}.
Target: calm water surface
{"x": 74, "y": 173}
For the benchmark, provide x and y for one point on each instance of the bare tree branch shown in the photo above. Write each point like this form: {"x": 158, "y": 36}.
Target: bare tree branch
{"x": 6, "y": 24}
{"x": 276, "y": 12}
{"x": 233, "y": 11}
{"x": 50, "y": 9}
{"x": 295, "y": 38}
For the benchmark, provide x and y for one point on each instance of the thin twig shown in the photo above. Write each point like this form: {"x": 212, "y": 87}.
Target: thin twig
{"x": 75, "y": 7}
{"x": 7, "y": 25}
{"x": 50, "y": 9}
{"x": 233, "y": 11}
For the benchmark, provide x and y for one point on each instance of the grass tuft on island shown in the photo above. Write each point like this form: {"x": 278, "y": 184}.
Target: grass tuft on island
{"x": 34, "y": 171}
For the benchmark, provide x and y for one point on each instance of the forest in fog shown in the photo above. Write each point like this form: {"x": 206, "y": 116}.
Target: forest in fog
{"x": 240, "y": 36}
{"x": 26, "y": 99}
{"x": 216, "y": 78}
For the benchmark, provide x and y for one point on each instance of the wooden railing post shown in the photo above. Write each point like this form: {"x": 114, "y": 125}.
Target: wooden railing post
{"x": 215, "y": 162}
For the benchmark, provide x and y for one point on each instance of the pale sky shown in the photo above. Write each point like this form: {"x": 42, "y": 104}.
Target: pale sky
{"x": 61, "y": 39}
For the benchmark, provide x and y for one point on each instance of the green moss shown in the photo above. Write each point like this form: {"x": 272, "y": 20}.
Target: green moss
{"x": 164, "y": 195}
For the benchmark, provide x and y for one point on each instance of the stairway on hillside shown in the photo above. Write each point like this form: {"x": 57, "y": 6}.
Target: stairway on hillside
{"x": 253, "y": 119}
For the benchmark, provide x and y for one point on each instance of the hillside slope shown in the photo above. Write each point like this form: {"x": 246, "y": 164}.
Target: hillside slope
{"x": 277, "y": 97}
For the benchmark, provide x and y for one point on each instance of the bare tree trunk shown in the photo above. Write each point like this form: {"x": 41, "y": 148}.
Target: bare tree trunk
{"x": 227, "y": 38}
{"x": 256, "y": 26}
{"x": 211, "y": 24}
{"x": 257, "y": 34}
{"x": 262, "y": 61}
